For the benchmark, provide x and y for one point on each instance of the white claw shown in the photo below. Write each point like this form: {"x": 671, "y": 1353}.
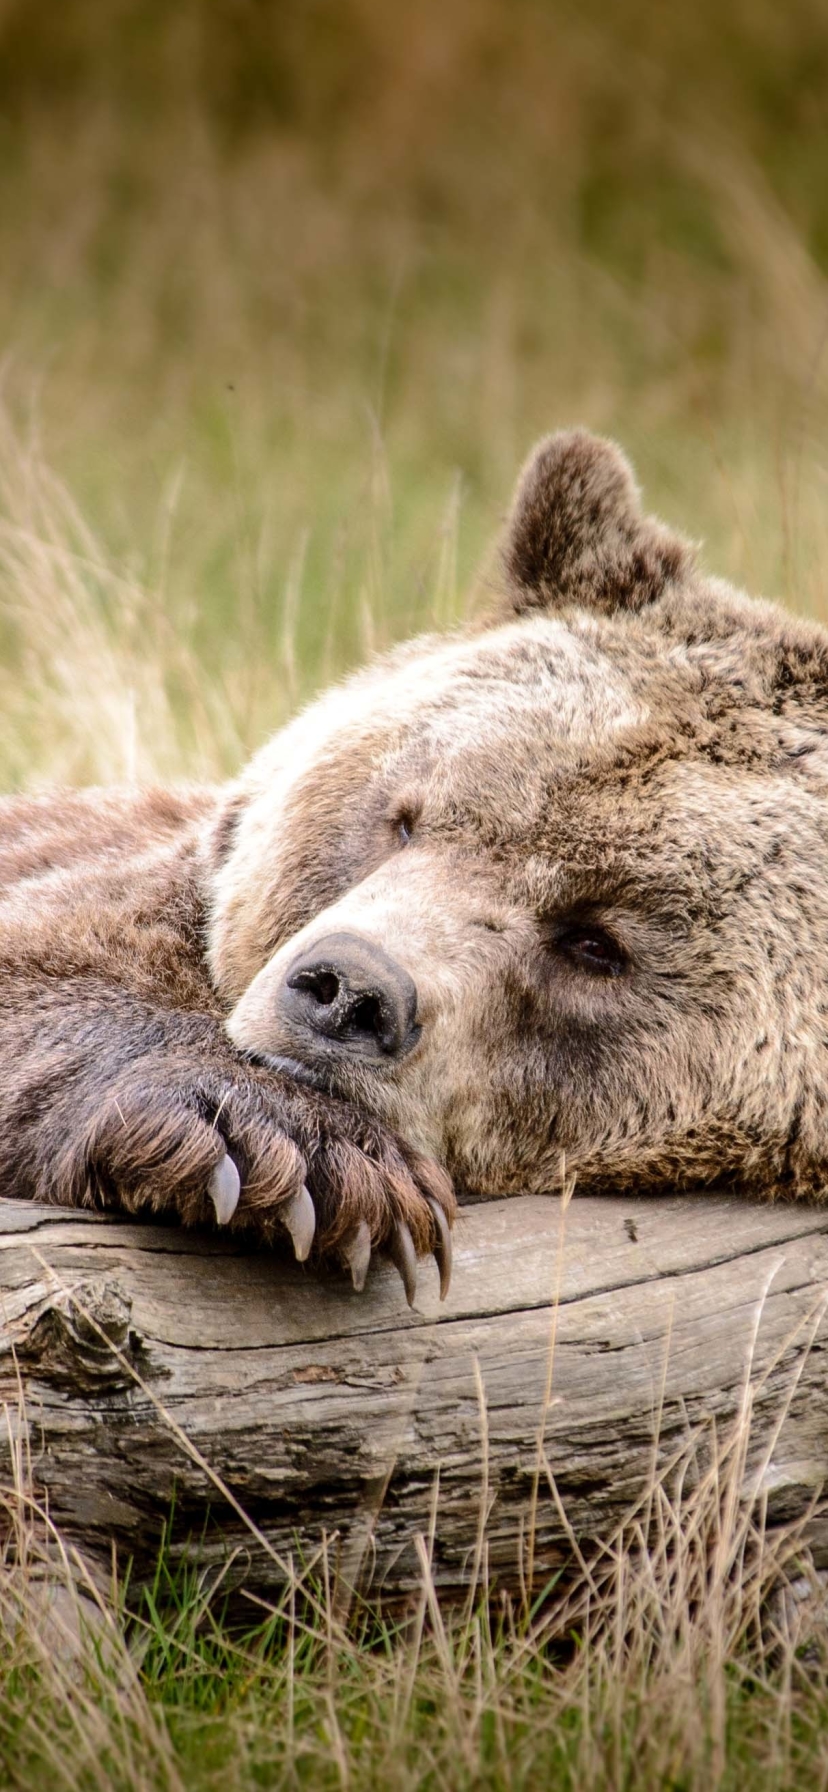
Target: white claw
{"x": 299, "y": 1216}
{"x": 404, "y": 1258}
{"x": 223, "y": 1189}
{"x": 357, "y": 1253}
{"x": 442, "y": 1249}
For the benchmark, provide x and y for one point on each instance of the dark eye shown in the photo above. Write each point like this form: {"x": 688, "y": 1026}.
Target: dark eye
{"x": 404, "y": 827}
{"x": 592, "y": 950}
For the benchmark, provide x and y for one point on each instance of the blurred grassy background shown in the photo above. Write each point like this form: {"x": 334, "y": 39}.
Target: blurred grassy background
{"x": 286, "y": 291}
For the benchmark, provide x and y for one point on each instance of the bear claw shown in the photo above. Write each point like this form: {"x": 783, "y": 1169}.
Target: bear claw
{"x": 299, "y": 1216}
{"x": 357, "y": 1254}
{"x": 223, "y": 1189}
{"x": 442, "y": 1249}
{"x": 404, "y": 1256}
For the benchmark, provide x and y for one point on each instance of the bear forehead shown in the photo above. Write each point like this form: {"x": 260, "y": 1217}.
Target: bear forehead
{"x": 544, "y": 677}
{"x": 520, "y": 722}
{"x": 558, "y": 700}
{"x": 511, "y": 720}
{"x": 499, "y": 695}
{"x": 606, "y": 743}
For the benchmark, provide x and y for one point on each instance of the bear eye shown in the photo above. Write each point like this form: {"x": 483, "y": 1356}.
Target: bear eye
{"x": 593, "y": 950}
{"x": 403, "y": 826}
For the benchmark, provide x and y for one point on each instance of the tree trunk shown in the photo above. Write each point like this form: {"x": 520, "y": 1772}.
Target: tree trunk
{"x": 581, "y": 1350}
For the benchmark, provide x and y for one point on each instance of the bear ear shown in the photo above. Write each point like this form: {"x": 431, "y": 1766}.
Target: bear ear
{"x": 577, "y": 535}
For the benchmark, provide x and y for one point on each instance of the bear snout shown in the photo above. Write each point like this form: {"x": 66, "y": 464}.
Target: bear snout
{"x": 346, "y": 993}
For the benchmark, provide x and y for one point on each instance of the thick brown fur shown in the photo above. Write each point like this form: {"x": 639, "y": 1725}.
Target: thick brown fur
{"x": 610, "y": 891}
{"x": 119, "y": 1084}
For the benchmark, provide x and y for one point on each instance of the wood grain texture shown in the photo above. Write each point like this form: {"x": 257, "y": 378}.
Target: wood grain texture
{"x": 588, "y": 1344}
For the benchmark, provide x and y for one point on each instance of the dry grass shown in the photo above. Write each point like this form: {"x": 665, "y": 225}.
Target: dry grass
{"x": 289, "y": 291}
{"x": 673, "y": 1661}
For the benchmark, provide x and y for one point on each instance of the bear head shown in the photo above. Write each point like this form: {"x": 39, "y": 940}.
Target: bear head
{"x": 552, "y": 891}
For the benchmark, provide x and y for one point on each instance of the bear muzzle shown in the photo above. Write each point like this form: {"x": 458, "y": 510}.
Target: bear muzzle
{"x": 344, "y": 996}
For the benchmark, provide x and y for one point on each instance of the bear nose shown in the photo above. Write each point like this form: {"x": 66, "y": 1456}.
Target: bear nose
{"x": 347, "y": 990}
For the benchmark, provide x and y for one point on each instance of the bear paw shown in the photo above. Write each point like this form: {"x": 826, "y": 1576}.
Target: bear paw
{"x": 266, "y": 1157}
{"x": 371, "y": 1190}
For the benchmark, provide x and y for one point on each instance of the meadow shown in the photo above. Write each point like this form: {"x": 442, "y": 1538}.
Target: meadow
{"x": 286, "y": 293}
{"x": 676, "y": 1663}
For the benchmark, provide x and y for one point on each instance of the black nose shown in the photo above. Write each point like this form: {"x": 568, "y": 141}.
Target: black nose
{"x": 349, "y": 991}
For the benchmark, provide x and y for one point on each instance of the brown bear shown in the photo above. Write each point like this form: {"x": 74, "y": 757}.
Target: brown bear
{"x": 553, "y": 889}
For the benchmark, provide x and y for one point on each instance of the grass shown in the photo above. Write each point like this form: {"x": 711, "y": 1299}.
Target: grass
{"x": 286, "y": 294}
{"x": 671, "y": 1660}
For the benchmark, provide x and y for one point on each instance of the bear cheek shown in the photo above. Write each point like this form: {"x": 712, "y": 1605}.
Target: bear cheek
{"x": 252, "y": 1024}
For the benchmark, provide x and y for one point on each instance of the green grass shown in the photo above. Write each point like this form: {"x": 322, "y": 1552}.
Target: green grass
{"x": 679, "y": 1668}
{"x": 286, "y": 292}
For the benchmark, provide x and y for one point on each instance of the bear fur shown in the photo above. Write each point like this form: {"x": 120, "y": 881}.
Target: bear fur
{"x": 592, "y": 829}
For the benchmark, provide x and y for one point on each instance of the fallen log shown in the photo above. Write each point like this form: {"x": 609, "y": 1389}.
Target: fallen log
{"x": 581, "y": 1350}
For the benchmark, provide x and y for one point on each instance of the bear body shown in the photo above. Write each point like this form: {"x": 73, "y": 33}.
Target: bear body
{"x": 548, "y": 895}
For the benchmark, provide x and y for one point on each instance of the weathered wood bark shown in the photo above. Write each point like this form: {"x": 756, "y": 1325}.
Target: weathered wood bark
{"x": 608, "y": 1331}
